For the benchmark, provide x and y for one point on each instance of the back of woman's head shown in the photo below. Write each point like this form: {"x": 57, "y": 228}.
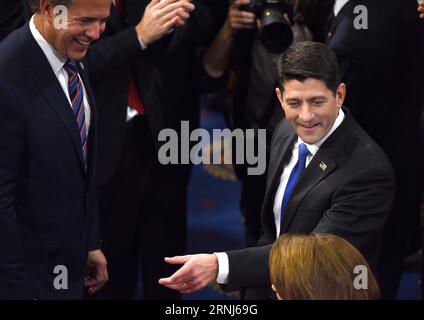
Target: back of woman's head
{"x": 319, "y": 266}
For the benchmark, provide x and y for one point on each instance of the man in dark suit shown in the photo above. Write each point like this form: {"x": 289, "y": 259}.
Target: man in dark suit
{"x": 379, "y": 53}
{"x": 49, "y": 243}
{"x": 146, "y": 54}
{"x": 346, "y": 188}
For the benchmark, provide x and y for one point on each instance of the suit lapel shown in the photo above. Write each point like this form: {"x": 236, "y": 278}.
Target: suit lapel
{"x": 322, "y": 164}
{"x": 276, "y": 166}
{"x": 312, "y": 175}
{"x": 46, "y": 82}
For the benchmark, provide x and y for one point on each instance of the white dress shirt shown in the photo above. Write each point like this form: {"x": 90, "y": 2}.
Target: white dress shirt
{"x": 57, "y": 63}
{"x": 223, "y": 263}
{"x": 313, "y": 149}
{"x": 338, "y": 5}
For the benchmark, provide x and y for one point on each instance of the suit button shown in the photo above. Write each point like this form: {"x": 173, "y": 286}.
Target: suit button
{"x": 83, "y": 236}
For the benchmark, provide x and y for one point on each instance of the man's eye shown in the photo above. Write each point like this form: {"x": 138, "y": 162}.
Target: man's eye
{"x": 84, "y": 21}
{"x": 293, "y": 104}
{"x": 318, "y": 102}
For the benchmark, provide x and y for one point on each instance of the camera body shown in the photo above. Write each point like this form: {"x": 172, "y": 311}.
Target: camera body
{"x": 275, "y": 31}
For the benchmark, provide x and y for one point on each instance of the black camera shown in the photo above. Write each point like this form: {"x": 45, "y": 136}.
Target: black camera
{"x": 275, "y": 31}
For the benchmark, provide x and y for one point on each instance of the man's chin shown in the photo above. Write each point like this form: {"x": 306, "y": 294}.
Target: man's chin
{"x": 309, "y": 138}
{"x": 78, "y": 56}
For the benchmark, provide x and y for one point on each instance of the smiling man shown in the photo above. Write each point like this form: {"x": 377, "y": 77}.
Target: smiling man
{"x": 49, "y": 245}
{"x": 326, "y": 175}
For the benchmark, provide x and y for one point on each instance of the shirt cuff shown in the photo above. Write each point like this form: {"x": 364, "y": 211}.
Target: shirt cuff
{"x": 143, "y": 46}
{"x": 223, "y": 267}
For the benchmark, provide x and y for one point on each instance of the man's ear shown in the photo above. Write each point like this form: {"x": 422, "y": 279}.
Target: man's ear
{"x": 340, "y": 94}
{"x": 47, "y": 9}
{"x": 280, "y": 96}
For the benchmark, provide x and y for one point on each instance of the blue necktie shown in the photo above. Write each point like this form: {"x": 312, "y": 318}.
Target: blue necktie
{"x": 76, "y": 93}
{"x": 294, "y": 178}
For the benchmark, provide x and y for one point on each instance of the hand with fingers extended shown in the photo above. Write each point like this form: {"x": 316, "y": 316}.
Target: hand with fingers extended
{"x": 160, "y": 16}
{"x": 196, "y": 273}
{"x": 421, "y": 9}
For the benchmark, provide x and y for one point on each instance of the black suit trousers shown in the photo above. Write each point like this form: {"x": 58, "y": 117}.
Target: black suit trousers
{"x": 142, "y": 214}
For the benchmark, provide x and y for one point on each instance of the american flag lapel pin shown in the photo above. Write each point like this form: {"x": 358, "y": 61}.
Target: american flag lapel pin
{"x": 323, "y": 166}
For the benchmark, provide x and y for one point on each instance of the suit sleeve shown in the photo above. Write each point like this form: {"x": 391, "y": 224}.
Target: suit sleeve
{"x": 12, "y": 144}
{"x": 360, "y": 208}
{"x": 248, "y": 268}
{"x": 113, "y": 53}
{"x": 94, "y": 238}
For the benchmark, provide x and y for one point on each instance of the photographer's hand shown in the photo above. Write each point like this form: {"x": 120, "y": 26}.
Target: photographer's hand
{"x": 160, "y": 16}
{"x": 216, "y": 57}
{"x": 240, "y": 19}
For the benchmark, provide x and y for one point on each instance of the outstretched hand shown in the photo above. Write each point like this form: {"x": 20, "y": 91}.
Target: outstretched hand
{"x": 196, "y": 273}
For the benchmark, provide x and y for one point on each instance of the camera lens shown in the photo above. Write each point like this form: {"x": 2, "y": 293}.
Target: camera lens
{"x": 275, "y": 32}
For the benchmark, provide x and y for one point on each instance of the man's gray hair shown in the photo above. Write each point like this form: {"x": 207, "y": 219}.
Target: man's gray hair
{"x": 35, "y": 4}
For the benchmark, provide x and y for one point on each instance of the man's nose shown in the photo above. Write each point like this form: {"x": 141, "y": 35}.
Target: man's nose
{"x": 306, "y": 114}
{"x": 94, "y": 31}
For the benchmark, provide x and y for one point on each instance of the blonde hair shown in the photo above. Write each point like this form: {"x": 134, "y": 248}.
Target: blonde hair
{"x": 318, "y": 266}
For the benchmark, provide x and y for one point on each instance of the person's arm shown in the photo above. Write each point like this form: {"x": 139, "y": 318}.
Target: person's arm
{"x": 216, "y": 57}
{"x": 360, "y": 207}
{"x": 248, "y": 268}
{"x": 12, "y": 150}
{"x": 196, "y": 273}
{"x": 160, "y": 17}
{"x": 110, "y": 54}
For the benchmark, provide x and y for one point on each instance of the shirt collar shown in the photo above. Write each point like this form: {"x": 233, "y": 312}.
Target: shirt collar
{"x": 313, "y": 148}
{"x": 338, "y": 5}
{"x": 54, "y": 58}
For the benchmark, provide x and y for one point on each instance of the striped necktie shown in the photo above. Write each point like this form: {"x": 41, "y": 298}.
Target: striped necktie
{"x": 76, "y": 93}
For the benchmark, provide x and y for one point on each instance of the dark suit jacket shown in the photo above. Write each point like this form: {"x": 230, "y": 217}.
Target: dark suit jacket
{"x": 351, "y": 198}
{"x": 166, "y": 75}
{"x": 47, "y": 201}
{"x": 382, "y": 68}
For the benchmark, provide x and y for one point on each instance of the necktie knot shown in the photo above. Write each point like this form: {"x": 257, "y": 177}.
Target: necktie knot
{"x": 71, "y": 66}
{"x": 303, "y": 152}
